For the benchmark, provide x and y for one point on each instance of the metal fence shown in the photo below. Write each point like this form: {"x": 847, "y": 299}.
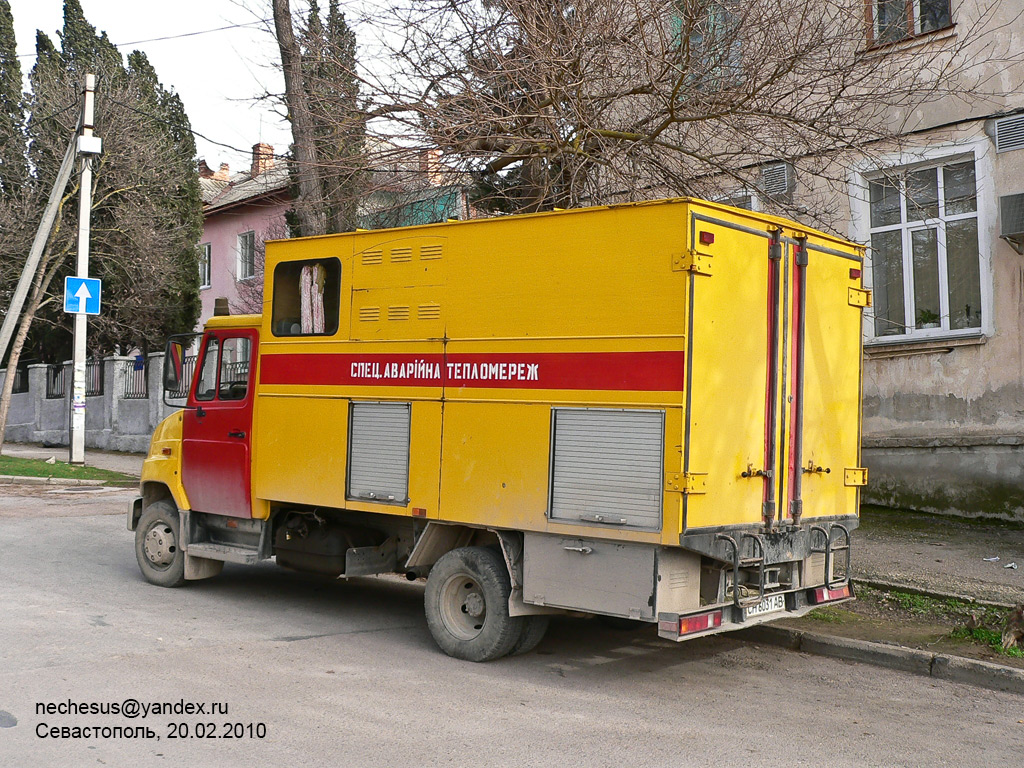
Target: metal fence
{"x": 94, "y": 377}
{"x": 235, "y": 372}
{"x": 20, "y": 381}
{"x": 188, "y": 367}
{"x": 55, "y": 381}
{"x": 136, "y": 378}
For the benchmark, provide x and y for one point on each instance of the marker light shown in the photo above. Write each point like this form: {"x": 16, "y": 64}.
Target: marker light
{"x": 824, "y": 595}
{"x": 690, "y": 624}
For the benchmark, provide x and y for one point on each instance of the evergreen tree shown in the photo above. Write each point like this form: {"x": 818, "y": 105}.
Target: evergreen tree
{"x": 146, "y": 217}
{"x": 13, "y": 165}
{"x": 339, "y": 122}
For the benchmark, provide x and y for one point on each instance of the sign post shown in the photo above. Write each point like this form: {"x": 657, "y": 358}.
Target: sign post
{"x": 81, "y": 296}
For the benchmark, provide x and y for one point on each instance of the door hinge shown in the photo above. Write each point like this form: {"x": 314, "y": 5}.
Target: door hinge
{"x": 859, "y": 297}
{"x": 854, "y": 476}
{"x": 689, "y": 483}
{"x": 692, "y": 261}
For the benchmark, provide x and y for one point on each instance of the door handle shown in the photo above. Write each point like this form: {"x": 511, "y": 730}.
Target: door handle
{"x": 200, "y": 412}
{"x": 237, "y": 433}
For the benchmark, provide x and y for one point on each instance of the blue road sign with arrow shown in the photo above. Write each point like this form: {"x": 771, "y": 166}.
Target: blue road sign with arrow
{"x": 82, "y": 295}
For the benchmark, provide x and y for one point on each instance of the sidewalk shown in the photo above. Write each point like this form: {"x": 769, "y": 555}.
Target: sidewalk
{"x": 944, "y": 556}
{"x": 129, "y": 463}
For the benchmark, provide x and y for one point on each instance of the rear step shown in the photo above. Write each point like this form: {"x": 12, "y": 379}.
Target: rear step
{"x": 757, "y": 561}
{"x": 229, "y": 540}
{"x": 831, "y": 546}
{"x": 229, "y": 553}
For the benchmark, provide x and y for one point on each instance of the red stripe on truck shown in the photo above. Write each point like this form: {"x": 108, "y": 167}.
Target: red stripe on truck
{"x": 630, "y": 371}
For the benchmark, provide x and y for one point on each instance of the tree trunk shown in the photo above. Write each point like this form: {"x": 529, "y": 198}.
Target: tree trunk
{"x": 310, "y": 208}
{"x": 39, "y": 285}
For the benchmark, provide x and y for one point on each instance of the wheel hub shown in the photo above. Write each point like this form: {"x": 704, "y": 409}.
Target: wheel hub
{"x": 474, "y": 605}
{"x": 160, "y": 545}
{"x": 463, "y": 609}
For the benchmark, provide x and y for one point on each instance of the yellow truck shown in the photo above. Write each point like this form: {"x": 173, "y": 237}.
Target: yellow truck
{"x": 647, "y": 411}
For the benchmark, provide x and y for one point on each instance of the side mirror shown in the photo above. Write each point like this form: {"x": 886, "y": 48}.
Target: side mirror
{"x": 179, "y": 366}
{"x": 174, "y": 368}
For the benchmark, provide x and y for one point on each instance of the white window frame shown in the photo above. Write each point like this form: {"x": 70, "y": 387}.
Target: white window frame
{"x": 240, "y": 261}
{"x": 205, "y": 270}
{"x": 865, "y": 171}
{"x": 914, "y": 31}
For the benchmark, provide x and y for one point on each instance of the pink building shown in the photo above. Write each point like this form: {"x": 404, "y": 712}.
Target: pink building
{"x": 240, "y": 212}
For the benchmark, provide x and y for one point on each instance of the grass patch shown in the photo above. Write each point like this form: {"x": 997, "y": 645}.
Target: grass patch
{"x": 14, "y": 465}
{"x": 833, "y": 615}
{"x": 924, "y": 607}
{"x": 989, "y": 637}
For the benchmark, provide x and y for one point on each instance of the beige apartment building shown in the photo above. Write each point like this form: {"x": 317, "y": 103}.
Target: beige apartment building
{"x": 942, "y": 211}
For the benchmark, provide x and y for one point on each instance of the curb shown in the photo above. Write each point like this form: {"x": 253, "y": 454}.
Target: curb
{"x": 27, "y": 480}
{"x": 892, "y": 586}
{"x": 958, "y": 669}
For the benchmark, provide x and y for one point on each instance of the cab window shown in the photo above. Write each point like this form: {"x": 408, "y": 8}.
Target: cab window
{"x": 307, "y": 298}
{"x": 234, "y": 368}
{"x": 206, "y": 384}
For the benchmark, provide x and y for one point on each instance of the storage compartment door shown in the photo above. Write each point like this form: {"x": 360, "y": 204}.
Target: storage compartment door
{"x": 606, "y": 466}
{"x": 378, "y": 460}
{"x": 589, "y": 575}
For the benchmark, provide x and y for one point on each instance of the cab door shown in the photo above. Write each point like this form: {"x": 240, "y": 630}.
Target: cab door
{"x": 216, "y": 454}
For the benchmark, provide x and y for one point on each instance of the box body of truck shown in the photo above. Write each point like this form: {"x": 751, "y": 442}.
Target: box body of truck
{"x": 647, "y": 411}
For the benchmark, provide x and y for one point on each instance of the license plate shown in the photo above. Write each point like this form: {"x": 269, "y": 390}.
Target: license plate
{"x": 770, "y": 604}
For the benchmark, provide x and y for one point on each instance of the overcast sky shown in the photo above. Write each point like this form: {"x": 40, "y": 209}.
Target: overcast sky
{"x": 218, "y": 75}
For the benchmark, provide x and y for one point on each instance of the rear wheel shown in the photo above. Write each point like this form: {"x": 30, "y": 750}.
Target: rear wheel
{"x": 158, "y": 545}
{"x": 466, "y": 603}
{"x": 534, "y": 629}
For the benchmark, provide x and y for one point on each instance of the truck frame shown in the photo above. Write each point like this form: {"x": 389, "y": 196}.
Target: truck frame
{"x": 647, "y": 411}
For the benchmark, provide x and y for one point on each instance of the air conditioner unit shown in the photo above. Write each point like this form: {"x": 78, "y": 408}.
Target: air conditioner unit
{"x": 1011, "y": 221}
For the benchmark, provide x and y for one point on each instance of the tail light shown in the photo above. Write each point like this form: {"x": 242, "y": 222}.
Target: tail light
{"x": 825, "y": 595}
{"x": 690, "y": 624}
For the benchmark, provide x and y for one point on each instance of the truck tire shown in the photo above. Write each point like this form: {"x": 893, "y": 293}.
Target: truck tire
{"x": 534, "y": 629}
{"x": 158, "y": 545}
{"x": 466, "y": 603}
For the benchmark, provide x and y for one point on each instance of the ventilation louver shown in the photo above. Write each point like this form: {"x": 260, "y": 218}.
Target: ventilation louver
{"x": 777, "y": 181}
{"x": 1009, "y": 133}
{"x": 1011, "y": 221}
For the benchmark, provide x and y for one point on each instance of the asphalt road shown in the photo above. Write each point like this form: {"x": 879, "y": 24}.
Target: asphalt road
{"x": 345, "y": 674}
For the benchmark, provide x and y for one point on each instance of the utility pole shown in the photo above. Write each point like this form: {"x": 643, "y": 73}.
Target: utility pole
{"x": 88, "y": 146}
{"x": 36, "y": 251}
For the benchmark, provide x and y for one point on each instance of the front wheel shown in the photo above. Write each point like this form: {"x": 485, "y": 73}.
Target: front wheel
{"x": 158, "y": 545}
{"x": 466, "y": 602}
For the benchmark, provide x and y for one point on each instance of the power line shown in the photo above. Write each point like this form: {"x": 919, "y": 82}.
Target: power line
{"x": 172, "y": 37}
{"x": 194, "y": 132}
{"x": 59, "y": 112}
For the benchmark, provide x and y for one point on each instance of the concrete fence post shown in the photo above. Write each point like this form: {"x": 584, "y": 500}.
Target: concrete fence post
{"x": 155, "y": 388}
{"x": 37, "y": 388}
{"x": 113, "y": 387}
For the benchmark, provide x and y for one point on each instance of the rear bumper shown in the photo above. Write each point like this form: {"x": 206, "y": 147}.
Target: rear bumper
{"x": 679, "y": 627}
{"x": 780, "y": 546}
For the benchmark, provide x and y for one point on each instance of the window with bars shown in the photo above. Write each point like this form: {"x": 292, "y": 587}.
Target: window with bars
{"x": 246, "y": 255}
{"x": 926, "y": 272}
{"x": 895, "y": 20}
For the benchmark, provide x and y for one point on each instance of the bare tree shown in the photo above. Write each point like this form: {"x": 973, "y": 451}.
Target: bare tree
{"x": 146, "y": 215}
{"x": 572, "y": 102}
{"x": 311, "y": 219}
